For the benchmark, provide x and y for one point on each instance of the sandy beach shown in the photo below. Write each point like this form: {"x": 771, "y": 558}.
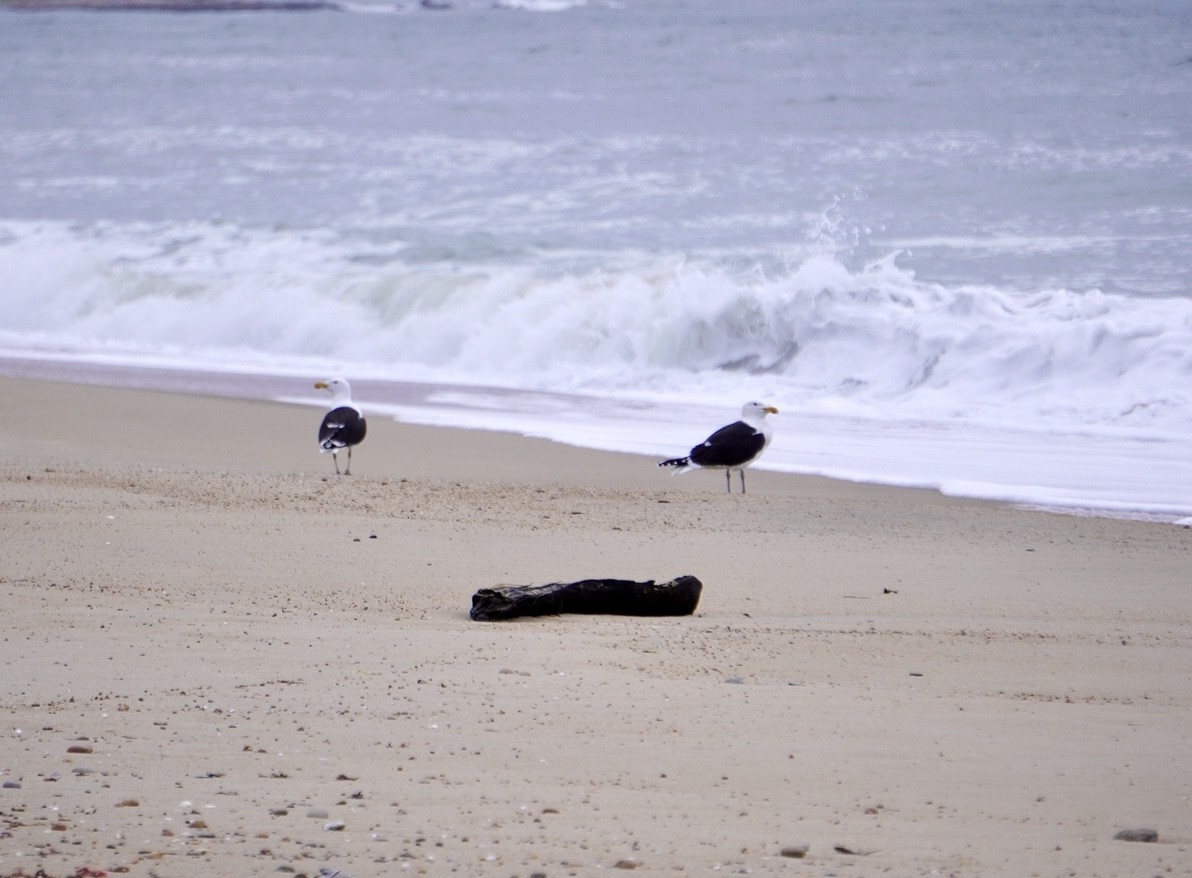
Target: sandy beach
{"x": 219, "y": 659}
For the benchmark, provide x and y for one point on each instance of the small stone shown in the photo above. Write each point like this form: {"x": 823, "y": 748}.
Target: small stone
{"x": 626, "y": 864}
{"x": 79, "y": 748}
{"x": 1137, "y": 835}
{"x": 11, "y": 785}
{"x": 795, "y": 851}
{"x": 128, "y": 803}
{"x": 335, "y": 826}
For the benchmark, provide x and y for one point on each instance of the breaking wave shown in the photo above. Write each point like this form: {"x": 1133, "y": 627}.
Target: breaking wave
{"x": 806, "y": 326}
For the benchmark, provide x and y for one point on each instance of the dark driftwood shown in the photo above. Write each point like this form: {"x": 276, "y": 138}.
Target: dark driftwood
{"x": 618, "y": 597}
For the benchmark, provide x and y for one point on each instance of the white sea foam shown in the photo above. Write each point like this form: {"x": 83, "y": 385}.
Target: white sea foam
{"x": 872, "y": 340}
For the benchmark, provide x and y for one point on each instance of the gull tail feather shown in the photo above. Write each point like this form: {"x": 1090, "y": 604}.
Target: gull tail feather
{"x": 681, "y": 464}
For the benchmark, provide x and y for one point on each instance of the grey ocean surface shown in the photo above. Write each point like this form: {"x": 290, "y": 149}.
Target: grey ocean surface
{"x": 1018, "y": 144}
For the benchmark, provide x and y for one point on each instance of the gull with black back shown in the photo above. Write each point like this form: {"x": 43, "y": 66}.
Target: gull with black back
{"x": 732, "y": 447}
{"x": 343, "y": 426}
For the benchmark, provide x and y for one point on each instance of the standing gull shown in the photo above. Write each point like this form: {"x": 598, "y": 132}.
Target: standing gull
{"x": 733, "y": 447}
{"x": 344, "y": 425}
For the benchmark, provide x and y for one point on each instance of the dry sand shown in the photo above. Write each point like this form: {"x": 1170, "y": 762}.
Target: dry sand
{"x": 219, "y": 659}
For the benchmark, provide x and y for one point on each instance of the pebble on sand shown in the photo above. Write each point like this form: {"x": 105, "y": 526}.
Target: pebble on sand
{"x": 1137, "y": 835}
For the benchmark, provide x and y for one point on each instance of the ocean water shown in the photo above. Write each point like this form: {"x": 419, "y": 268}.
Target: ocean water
{"x": 950, "y": 241}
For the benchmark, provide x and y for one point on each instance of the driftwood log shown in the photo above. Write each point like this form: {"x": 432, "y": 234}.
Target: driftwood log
{"x": 618, "y": 597}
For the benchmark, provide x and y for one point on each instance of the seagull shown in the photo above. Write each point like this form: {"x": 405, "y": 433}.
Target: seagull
{"x": 344, "y": 425}
{"x": 732, "y": 447}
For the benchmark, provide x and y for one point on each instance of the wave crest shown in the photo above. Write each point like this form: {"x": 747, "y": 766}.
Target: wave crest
{"x": 808, "y": 327}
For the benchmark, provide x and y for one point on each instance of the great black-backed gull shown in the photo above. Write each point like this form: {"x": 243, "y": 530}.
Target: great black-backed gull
{"x": 733, "y": 447}
{"x": 344, "y": 425}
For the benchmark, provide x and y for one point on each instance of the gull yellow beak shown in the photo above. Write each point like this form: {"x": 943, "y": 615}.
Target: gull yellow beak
{"x": 320, "y": 385}
{"x": 771, "y": 410}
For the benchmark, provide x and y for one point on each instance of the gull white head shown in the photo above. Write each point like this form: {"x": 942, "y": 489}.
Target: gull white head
{"x": 755, "y": 412}
{"x": 340, "y": 390}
